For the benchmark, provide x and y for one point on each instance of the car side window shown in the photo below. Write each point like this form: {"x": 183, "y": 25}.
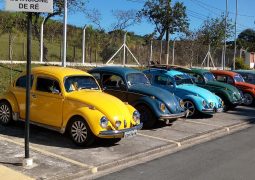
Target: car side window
{"x": 113, "y": 82}
{"x": 230, "y": 80}
{"x": 197, "y": 78}
{"x": 47, "y": 85}
{"x": 161, "y": 80}
{"x": 221, "y": 78}
{"x": 22, "y": 82}
{"x": 97, "y": 76}
{"x": 150, "y": 77}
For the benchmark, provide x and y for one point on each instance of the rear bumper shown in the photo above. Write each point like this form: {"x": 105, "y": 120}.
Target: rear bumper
{"x": 119, "y": 133}
{"x": 172, "y": 116}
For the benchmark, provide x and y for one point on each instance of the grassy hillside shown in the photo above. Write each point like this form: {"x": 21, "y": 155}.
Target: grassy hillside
{"x": 19, "y": 47}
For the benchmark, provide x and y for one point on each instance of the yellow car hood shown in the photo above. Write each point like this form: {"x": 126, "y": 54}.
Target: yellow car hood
{"x": 113, "y": 108}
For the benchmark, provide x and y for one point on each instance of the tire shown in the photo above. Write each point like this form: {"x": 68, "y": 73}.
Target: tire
{"x": 80, "y": 132}
{"x": 249, "y": 99}
{"x": 189, "y": 105}
{"x": 147, "y": 117}
{"x": 5, "y": 113}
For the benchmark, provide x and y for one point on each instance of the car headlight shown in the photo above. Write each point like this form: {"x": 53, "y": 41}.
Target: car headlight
{"x": 104, "y": 122}
{"x": 136, "y": 116}
{"x": 182, "y": 103}
{"x": 117, "y": 124}
{"x": 204, "y": 103}
{"x": 162, "y": 107}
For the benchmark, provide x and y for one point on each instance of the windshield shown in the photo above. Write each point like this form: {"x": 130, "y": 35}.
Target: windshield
{"x": 238, "y": 78}
{"x": 137, "y": 78}
{"x": 75, "y": 83}
{"x": 183, "y": 79}
{"x": 209, "y": 76}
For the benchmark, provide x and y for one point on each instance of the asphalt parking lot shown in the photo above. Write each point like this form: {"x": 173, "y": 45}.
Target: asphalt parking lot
{"x": 56, "y": 157}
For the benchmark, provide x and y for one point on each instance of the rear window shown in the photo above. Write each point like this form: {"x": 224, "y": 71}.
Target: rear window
{"x": 22, "y": 82}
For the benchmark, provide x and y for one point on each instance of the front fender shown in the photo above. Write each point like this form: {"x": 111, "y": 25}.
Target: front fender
{"x": 92, "y": 117}
{"x": 250, "y": 91}
{"x": 196, "y": 100}
{"x": 153, "y": 104}
{"x": 10, "y": 97}
{"x": 226, "y": 97}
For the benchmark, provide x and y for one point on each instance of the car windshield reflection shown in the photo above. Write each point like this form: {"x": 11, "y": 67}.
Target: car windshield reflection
{"x": 238, "y": 78}
{"x": 75, "y": 83}
{"x": 183, "y": 79}
{"x": 209, "y": 76}
{"x": 137, "y": 78}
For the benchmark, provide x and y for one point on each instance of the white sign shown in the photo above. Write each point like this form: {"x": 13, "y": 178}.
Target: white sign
{"x": 45, "y": 6}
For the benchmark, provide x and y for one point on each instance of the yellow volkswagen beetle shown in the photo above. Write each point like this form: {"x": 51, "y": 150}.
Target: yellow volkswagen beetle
{"x": 65, "y": 99}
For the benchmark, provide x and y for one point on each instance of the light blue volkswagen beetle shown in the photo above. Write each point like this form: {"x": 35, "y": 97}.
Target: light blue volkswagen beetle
{"x": 195, "y": 99}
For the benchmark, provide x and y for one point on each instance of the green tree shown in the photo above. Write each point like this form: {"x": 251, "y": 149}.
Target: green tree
{"x": 166, "y": 17}
{"x": 246, "y": 40}
{"x": 213, "y": 31}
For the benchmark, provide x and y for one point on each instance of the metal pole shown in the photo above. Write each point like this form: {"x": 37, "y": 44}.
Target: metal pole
{"x": 160, "y": 58}
{"x": 41, "y": 42}
{"x": 28, "y": 82}
{"x": 84, "y": 44}
{"x": 124, "y": 49}
{"x": 173, "y": 52}
{"x": 234, "y": 60}
{"x": 225, "y": 36}
{"x": 64, "y": 35}
{"x": 151, "y": 52}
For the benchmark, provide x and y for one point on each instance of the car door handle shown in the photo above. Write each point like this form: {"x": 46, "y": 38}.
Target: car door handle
{"x": 33, "y": 96}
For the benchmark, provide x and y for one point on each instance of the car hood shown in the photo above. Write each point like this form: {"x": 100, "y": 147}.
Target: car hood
{"x": 161, "y": 94}
{"x": 186, "y": 89}
{"x": 113, "y": 108}
{"x": 222, "y": 85}
{"x": 245, "y": 85}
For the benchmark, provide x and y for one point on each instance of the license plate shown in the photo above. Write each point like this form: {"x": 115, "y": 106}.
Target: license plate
{"x": 130, "y": 133}
{"x": 220, "y": 110}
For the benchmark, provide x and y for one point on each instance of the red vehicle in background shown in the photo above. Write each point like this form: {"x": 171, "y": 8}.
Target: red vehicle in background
{"x": 237, "y": 80}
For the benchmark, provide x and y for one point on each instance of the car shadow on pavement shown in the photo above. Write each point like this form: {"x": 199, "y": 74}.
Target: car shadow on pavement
{"x": 248, "y": 113}
{"x": 42, "y": 136}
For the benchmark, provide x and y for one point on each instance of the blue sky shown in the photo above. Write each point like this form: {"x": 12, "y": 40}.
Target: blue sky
{"x": 198, "y": 11}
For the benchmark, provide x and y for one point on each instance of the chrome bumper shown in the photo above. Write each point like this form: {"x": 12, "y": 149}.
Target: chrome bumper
{"x": 119, "y": 133}
{"x": 172, "y": 116}
{"x": 212, "y": 110}
{"x": 239, "y": 102}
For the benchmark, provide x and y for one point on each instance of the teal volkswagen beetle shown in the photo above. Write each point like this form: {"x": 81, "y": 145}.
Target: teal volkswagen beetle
{"x": 133, "y": 87}
{"x": 195, "y": 99}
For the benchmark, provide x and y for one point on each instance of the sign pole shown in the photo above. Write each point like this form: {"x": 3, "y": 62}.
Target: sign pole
{"x": 64, "y": 34}
{"x": 28, "y": 161}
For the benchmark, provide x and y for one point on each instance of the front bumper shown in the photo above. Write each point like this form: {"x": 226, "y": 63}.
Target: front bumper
{"x": 119, "y": 133}
{"x": 241, "y": 101}
{"x": 172, "y": 116}
{"x": 212, "y": 110}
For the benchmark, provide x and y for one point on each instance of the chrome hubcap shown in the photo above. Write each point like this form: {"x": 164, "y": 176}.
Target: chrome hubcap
{"x": 248, "y": 99}
{"x": 190, "y": 107}
{"x": 4, "y": 113}
{"x": 79, "y": 131}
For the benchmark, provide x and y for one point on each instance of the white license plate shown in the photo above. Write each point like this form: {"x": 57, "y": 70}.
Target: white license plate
{"x": 130, "y": 133}
{"x": 220, "y": 110}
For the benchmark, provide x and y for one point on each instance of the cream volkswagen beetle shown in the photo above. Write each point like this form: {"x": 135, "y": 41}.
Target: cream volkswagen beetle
{"x": 65, "y": 99}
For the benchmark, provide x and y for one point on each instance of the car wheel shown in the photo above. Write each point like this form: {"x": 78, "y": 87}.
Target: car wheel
{"x": 248, "y": 99}
{"x": 147, "y": 117}
{"x": 189, "y": 105}
{"x": 5, "y": 113}
{"x": 80, "y": 132}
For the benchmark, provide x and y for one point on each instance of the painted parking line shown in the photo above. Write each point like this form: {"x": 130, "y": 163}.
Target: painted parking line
{"x": 92, "y": 168}
{"x": 213, "y": 125}
{"x": 161, "y": 139}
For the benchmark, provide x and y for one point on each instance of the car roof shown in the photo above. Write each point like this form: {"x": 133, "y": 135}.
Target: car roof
{"x": 199, "y": 71}
{"x": 245, "y": 71}
{"x": 224, "y": 72}
{"x": 57, "y": 71}
{"x": 115, "y": 69}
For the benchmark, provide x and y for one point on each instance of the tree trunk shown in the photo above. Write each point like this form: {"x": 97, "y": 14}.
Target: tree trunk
{"x": 10, "y": 46}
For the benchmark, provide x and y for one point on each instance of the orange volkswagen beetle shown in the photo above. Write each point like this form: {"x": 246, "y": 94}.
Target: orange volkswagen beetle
{"x": 237, "y": 80}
